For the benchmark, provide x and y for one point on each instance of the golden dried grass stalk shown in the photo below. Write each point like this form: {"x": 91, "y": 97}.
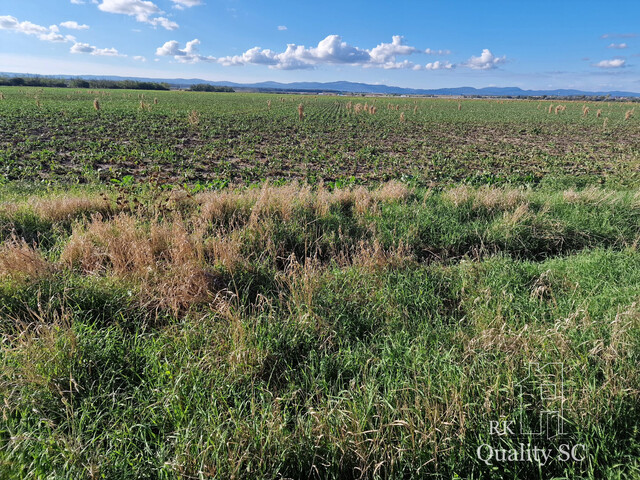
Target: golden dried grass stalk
{"x": 194, "y": 117}
{"x": 20, "y": 261}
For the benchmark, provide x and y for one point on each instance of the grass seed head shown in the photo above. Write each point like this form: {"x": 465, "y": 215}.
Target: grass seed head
{"x": 194, "y": 117}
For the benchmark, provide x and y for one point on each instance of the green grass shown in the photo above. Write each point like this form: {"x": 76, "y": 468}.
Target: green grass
{"x": 384, "y": 349}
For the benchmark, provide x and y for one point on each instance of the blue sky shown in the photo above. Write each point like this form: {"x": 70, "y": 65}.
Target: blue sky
{"x": 591, "y": 45}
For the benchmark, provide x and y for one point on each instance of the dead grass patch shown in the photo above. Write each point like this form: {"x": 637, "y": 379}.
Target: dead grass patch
{"x": 19, "y": 260}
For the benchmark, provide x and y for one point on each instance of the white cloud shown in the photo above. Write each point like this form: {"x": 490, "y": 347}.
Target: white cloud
{"x": 618, "y": 46}
{"x": 385, "y": 53}
{"x": 429, "y": 51}
{"x": 438, "y": 65}
{"x": 619, "y": 35}
{"x": 47, "y": 34}
{"x": 486, "y": 61}
{"x": 187, "y": 55}
{"x": 77, "y": 2}
{"x": 72, "y": 25}
{"x": 330, "y": 51}
{"x": 282, "y": 28}
{"x": 614, "y": 63}
{"x": 143, "y": 10}
{"x": 90, "y": 49}
{"x": 182, "y": 4}
{"x": 163, "y": 22}
{"x": 139, "y": 58}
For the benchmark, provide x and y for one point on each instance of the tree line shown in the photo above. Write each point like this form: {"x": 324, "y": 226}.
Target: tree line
{"x": 80, "y": 83}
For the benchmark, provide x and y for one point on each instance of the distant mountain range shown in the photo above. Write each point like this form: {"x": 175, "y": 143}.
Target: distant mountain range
{"x": 349, "y": 87}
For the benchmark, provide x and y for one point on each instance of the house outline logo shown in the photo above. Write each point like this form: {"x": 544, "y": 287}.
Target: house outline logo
{"x": 543, "y": 386}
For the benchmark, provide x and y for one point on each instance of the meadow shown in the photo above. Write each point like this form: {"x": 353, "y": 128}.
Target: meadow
{"x": 198, "y": 285}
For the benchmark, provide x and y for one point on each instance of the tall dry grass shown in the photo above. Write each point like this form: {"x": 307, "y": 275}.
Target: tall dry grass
{"x": 67, "y": 207}
{"x": 20, "y": 261}
{"x": 193, "y": 118}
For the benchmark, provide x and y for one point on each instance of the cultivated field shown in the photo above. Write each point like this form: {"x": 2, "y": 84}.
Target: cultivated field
{"x": 50, "y": 134}
{"x": 208, "y": 286}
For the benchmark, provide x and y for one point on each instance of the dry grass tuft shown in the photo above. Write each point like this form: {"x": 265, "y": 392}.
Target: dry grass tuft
{"x": 18, "y": 260}
{"x": 392, "y": 191}
{"x": 498, "y": 198}
{"x": 155, "y": 101}
{"x": 517, "y": 216}
{"x": 628, "y": 114}
{"x": 374, "y": 256}
{"x": 490, "y": 198}
{"x": 275, "y": 202}
{"x": 118, "y": 246}
{"x": 194, "y": 117}
{"x": 459, "y": 195}
{"x": 589, "y": 196}
{"x": 599, "y": 113}
{"x": 1, "y": 96}
{"x": 163, "y": 259}
{"x": 56, "y": 209}
{"x": 300, "y": 111}
{"x": 402, "y": 117}
{"x": 550, "y": 108}
{"x": 96, "y": 105}
{"x": 225, "y": 207}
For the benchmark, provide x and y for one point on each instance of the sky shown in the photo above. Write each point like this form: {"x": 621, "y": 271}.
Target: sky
{"x": 589, "y": 45}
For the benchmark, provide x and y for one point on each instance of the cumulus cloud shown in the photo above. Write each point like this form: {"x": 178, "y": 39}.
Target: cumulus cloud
{"x": 385, "y": 53}
{"x": 486, "y": 61}
{"x": 438, "y": 65}
{"x": 282, "y": 28}
{"x": 77, "y": 2}
{"x": 330, "y": 51}
{"x": 189, "y": 54}
{"x": 140, "y": 58}
{"x": 614, "y": 63}
{"x": 618, "y": 46}
{"x": 72, "y": 25}
{"x": 48, "y": 34}
{"x": 143, "y": 10}
{"x": 90, "y": 49}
